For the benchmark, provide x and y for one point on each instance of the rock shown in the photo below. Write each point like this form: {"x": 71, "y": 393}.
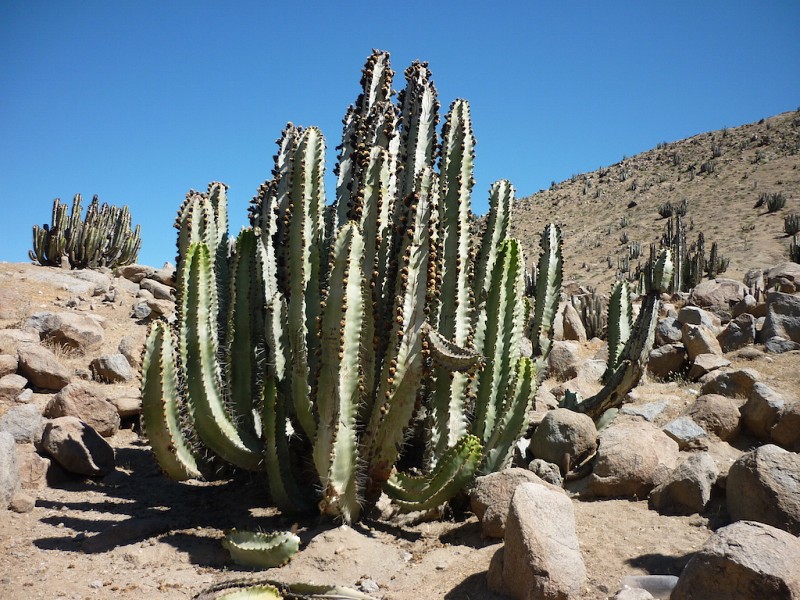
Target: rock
{"x": 573, "y": 326}
{"x": 41, "y": 367}
{"x": 592, "y": 370}
{"x": 22, "y": 503}
{"x": 779, "y": 345}
{"x": 541, "y": 558}
{"x": 546, "y": 471}
{"x": 564, "y": 360}
{"x": 783, "y": 317}
{"x": 131, "y": 347}
{"x": 705, "y": 363}
{"x": 127, "y": 401}
{"x": 101, "y": 281}
{"x": 750, "y": 353}
{"x": 9, "y": 469}
{"x": 10, "y": 339}
{"x": 786, "y": 432}
{"x": 764, "y": 486}
{"x": 693, "y": 315}
{"x": 564, "y": 438}
{"x": 718, "y": 295}
{"x": 747, "y": 304}
{"x": 69, "y": 329}
{"x": 716, "y": 414}
{"x": 736, "y": 383}
{"x": 687, "y": 489}
{"x": 120, "y": 284}
{"x": 580, "y": 385}
{"x": 111, "y": 368}
{"x": 785, "y": 275}
{"x": 525, "y": 347}
{"x": 491, "y": 496}
{"x": 159, "y": 290}
{"x": 648, "y": 411}
{"x": 24, "y": 423}
{"x": 668, "y": 331}
{"x": 61, "y": 279}
{"x": 687, "y": 433}
{"x": 743, "y": 561}
{"x": 32, "y": 468}
{"x": 723, "y": 455}
{"x": 11, "y": 386}
{"x": 667, "y": 360}
{"x": 632, "y": 458}
{"x": 140, "y": 310}
{"x": 77, "y": 447}
{"x": 762, "y": 409}
{"x": 134, "y": 273}
{"x": 8, "y": 365}
{"x": 699, "y": 340}
{"x": 161, "y": 307}
{"x": 165, "y": 275}
{"x": 633, "y": 594}
{"x": 740, "y": 332}
{"x": 79, "y": 400}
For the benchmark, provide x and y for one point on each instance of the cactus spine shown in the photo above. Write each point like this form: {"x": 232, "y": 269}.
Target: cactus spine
{"x": 342, "y": 323}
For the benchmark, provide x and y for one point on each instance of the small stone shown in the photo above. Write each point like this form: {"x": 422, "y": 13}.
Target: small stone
{"x": 779, "y": 345}
{"x": 11, "y": 385}
{"x": 687, "y": 433}
{"x": 24, "y": 423}
{"x": 564, "y": 438}
{"x": 140, "y": 310}
{"x": 648, "y": 411}
{"x": 77, "y": 447}
{"x": 8, "y": 365}
{"x": 41, "y": 367}
{"x": 22, "y": 503}
{"x": 112, "y": 368}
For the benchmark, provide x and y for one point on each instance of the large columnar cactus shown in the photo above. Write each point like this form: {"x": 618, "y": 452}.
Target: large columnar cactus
{"x": 341, "y": 329}
{"x": 103, "y": 239}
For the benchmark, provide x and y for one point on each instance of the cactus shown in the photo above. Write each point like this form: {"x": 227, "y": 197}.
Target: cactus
{"x": 791, "y": 224}
{"x": 794, "y": 249}
{"x": 269, "y": 589}
{"x": 339, "y": 329}
{"x": 103, "y": 239}
{"x": 263, "y": 550}
{"x": 629, "y": 344}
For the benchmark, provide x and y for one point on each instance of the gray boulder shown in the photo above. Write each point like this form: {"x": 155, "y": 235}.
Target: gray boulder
{"x": 81, "y": 401}
{"x": 778, "y": 345}
{"x": 8, "y": 364}
{"x": 24, "y": 423}
{"x": 632, "y": 458}
{"x": 9, "y": 469}
{"x": 740, "y": 332}
{"x": 735, "y": 383}
{"x": 111, "y": 368}
{"x": 159, "y": 290}
{"x": 131, "y": 347}
{"x": 699, "y": 340}
{"x": 761, "y": 411}
{"x": 668, "y": 331}
{"x": 743, "y": 561}
{"x": 718, "y": 295}
{"x": 41, "y": 367}
{"x": 687, "y": 489}
{"x": 693, "y": 315}
{"x": 716, "y": 414}
{"x": 783, "y": 317}
{"x": 687, "y": 433}
{"x": 541, "y": 557}
{"x": 705, "y": 363}
{"x": 764, "y": 485}
{"x": 564, "y": 437}
{"x": 573, "y": 326}
{"x": 134, "y": 273}
{"x": 786, "y": 431}
{"x": 786, "y": 276}
{"x": 70, "y": 329}
{"x": 546, "y": 471}
{"x": 77, "y": 447}
{"x": 11, "y": 386}
{"x": 667, "y": 360}
{"x": 491, "y": 496}
{"x": 564, "y": 360}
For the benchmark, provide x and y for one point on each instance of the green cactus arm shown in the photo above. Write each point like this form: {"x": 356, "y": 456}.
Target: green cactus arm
{"x": 199, "y": 348}
{"x": 453, "y": 471}
{"x": 305, "y": 245}
{"x": 262, "y": 550}
{"x": 497, "y": 336}
{"x": 401, "y": 372}
{"x": 287, "y": 591}
{"x": 548, "y": 288}
{"x": 449, "y": 356}
{"x": 340, "y": 382}
{"x": 498, "y": 219}
{"x": 419, "y": 108}
{"x": 160, "y": 406}
{"x": 513, "y": 418}
{"x": 253, "y": 592}
{"x": 620, "y": 323}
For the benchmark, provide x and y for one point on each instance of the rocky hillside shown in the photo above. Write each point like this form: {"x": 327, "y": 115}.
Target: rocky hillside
{"x": 720, "y": 174}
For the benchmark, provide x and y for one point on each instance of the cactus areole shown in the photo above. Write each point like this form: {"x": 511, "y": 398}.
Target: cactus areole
{"x": 329, "y": 343}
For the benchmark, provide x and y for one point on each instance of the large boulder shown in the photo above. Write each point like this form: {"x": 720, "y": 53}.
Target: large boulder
{"x": 77, "y": 447}
{"x": 693, "y": 315}
{"x": 69, "y": 329}
{"x": 11, "y": 386}
{"x": 764, "y": 485}
{"x": 541, "y": 558}
{"x": 24, "y": 423}
{"x": 761, "y": 411}
{"x": 41, "y": 367}
{"x": 573, "y": 326}
{"x": 81, "y": 401}
{"x": 687, "y": 489}
{"x": 668, "y": 331}
{"x": 783, "y": 317}
{"x": 490, "y": 498}
{"x": 705, "y": 363}
{"x": 564, "y": 361}
{"x": 564, "y": 437}
{"x": 111, "y": 368}
{"x": 733, "y": 383}
{"x": 785, "y": 276}
{"x": 8, "y": 364}
{"x": 718, "y": 295}
{"x": 699, "y": 340}
{"x": 786, "y": 431}
{"x": 740, "y": 332}
{"x": 9, "y": 470}
{"x": 632, "y": 458}
{"x": 743, "y": 561}
{"x": 135, "y": 272}
{"x": 716, "y": 414}
{"x": 667, "y": 360}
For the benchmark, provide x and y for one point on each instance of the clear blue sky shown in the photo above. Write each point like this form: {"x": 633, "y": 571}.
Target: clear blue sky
{"x": 138, "y": 101}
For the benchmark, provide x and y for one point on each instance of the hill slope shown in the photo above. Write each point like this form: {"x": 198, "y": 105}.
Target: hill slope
{"x": 720, "y": 174}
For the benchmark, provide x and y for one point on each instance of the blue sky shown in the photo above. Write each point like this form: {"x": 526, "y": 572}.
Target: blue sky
{"x": 140, "y": 101}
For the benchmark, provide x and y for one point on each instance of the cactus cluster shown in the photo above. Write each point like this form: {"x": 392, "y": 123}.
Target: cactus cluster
{"x": 326, "y": 340}
{"x": 103, "y": 239}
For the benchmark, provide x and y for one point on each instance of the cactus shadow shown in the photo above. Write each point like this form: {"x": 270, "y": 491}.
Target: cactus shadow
{"x": 661, "y": 564}
{"x": 468, "y": 534}
{"x": 473, "y": 587}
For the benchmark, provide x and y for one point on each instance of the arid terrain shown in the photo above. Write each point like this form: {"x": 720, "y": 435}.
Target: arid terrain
{"x": 136, "y": 534}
